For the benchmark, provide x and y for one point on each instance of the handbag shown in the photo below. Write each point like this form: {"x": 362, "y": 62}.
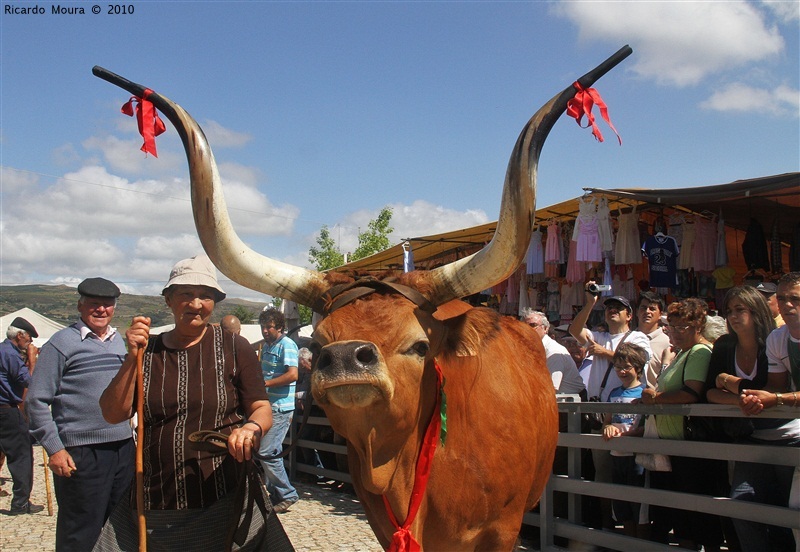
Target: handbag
{"x": 650, "y": 460}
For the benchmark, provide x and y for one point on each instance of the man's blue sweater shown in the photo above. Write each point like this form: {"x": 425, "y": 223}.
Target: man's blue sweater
{"x": 64, "y": 393}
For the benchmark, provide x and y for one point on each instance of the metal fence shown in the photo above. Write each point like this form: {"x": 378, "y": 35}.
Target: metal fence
{"x": 572, "y": 527}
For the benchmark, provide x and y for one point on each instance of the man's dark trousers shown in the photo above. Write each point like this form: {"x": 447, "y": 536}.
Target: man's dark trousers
{"x": 15, "y": 442}
{"x": 85, "y": 500}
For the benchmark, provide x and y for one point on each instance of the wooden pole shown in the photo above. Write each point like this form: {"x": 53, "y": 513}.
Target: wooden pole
{"x": 140, "y": 451}
{"x": 47, "y": 483}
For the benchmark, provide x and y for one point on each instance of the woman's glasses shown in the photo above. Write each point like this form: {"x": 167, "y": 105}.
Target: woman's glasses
{"x": 677, "y": 329}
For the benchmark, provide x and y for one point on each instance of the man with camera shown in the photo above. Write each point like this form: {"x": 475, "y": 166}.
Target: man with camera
{"x": 602, "y": 379}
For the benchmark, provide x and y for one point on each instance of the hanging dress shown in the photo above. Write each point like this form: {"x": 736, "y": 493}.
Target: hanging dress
{"x": 722, "y": 244}
{"x": 629, "y": 248}
{"x": 704, "y": 252}
{"x": 685, "y": 260}
{"x": 576, "y": 270}
{"x": 604, "y": 229}
{"x": 553, "y": 245}
{"x": 534, "y": 260}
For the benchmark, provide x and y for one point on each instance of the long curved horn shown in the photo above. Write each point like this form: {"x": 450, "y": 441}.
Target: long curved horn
{"x": 224, "y": 247}
{"x": 504, "y": 253}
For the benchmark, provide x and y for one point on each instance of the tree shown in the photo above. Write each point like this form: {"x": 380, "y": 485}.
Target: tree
{"x": 376, "y": 237}
{"x": 327, "y": 255}
{"x": 245, "y": 315}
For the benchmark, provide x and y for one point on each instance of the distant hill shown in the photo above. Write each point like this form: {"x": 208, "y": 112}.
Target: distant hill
{"x": 59, "y": 304}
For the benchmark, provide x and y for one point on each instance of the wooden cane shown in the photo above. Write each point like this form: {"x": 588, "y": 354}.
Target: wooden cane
{"x": 140, "y": 451}
{"x": 47, "y": 483}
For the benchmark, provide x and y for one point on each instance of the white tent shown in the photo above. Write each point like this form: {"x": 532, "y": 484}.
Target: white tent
{"x": 44, "y": 326}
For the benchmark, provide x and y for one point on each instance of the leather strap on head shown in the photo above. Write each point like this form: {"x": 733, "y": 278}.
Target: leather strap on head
{"x": 341, "y": 295}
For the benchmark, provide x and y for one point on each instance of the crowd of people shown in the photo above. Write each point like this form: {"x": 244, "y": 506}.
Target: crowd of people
{"x": 77, "y": 397}
{"x": 682, "y": 354}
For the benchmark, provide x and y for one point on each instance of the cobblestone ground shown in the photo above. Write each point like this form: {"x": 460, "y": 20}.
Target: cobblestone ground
{"x": 323, "y": 520}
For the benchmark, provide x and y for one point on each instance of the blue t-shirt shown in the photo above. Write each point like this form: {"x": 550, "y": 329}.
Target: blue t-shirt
{"x": 625, "y": 422}
{"x": 275, "y": 361}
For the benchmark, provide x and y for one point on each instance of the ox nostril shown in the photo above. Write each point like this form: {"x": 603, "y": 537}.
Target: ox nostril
{"x": 365, "y": 355}
{"x": 323, "y": 360}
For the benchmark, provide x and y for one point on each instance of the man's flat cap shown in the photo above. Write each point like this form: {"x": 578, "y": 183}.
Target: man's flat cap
{"x": 22, "y": 324}
{"x": 767, "y": 288}
{"x": 98, "y": 287}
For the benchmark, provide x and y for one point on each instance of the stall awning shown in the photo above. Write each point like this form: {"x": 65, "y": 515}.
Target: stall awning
{"x": 769, "y": 199}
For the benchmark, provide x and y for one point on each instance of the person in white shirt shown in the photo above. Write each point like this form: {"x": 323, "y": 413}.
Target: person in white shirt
{"x": 566, "y": 378}
{"x": 648, "y": 314}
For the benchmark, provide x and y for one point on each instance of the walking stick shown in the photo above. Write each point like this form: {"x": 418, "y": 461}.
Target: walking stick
{"x": 140, "y": 451}
{"x": 47, "y": 483}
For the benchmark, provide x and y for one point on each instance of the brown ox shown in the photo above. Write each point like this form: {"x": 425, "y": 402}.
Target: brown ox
{"x": 377, "y": 349}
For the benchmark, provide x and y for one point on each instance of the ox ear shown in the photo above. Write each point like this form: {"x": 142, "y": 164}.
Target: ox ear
{"x": 467, "y": 333}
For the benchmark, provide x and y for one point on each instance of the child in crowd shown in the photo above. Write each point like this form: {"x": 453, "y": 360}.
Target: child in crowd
{"x": 629, "y": 361}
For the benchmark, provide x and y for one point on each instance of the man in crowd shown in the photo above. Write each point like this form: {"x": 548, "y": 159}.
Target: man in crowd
{"x": 579, "y": 354}
{"x": 601, "y": 345}
{"x": 651, "y": 307}
{"x": 17, "y": 360}
{"x": 231, "y": 323}
{"x": 769, "y": 290}
{"x": 92, "y": 460}
{"x": 566, "y": 378}
{"x": 279, "y": 361}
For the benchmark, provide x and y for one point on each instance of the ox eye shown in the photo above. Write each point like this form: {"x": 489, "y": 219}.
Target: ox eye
{"x": 420, "y": 348}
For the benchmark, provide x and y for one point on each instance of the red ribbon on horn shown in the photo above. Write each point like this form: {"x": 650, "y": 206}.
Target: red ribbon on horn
{"x": 402, "y": 539}
{"x": 582, "y": 103}
{"x": 150, "y": 124}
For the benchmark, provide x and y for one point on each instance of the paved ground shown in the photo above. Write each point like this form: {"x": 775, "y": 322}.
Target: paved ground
{"x": 323, "y": 520}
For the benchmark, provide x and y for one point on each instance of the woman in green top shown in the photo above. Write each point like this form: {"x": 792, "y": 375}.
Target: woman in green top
{"x": 684, "y": 382}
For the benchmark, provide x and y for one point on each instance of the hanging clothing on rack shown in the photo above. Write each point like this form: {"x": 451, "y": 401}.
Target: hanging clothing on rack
{"x": 662, "y": 254}
{"x": 675, "y": 228}
{"x": 629, "y": 247}
{"x": 754, "y": 247}
{"x": 586, "y": 232}
{"x": 704, "y": 253}
{"x": 722, "y": 243}
{"x": 576, "y": 270}
{"x": 604, "y": 227}
{"x": 776, "y": 250}
{"x": 553, "y": 246}
{"x": 534, "y": 260}
{"x": 685, "y": 261}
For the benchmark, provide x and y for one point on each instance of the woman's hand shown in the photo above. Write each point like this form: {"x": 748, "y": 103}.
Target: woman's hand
{"x": 137, "y": 335}
{"x": 649, "y": 396}
{"x": 244, "y": 440}
{"x": 610, "y": 431}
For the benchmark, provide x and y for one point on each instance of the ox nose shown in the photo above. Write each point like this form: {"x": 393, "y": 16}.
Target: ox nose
{"x": 348, "y": 357}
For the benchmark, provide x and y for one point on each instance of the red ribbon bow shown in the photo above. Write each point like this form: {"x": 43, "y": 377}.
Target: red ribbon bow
{"x": 582, "y": 103}
{"x": 402, "y": 539}
{"x": 150, "y": 124}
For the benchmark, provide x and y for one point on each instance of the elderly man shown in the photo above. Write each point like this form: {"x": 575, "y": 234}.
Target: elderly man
{"x": 91, "y": 459}
{"x": 769, "y": 290}
{"x": 17, "y": 360}
{"x": 651, "y": 307}
{"x": 231, "y": 323}
{"x": 566, "y": 378}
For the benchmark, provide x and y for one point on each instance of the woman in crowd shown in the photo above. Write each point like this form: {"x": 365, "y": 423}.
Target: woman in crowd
{"x": 766, "y": 483}
{"x": 683, "y": 382}
{"x": 196, "y": 377}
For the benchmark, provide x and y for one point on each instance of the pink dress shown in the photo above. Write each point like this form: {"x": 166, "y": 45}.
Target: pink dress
{"x": 553, "y": 246}
{"x": 576, "y": 270}
{"x": 588, "y": 248}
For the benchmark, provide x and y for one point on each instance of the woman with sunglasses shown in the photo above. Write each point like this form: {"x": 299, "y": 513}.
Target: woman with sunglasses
{"x": 684, "y": 382}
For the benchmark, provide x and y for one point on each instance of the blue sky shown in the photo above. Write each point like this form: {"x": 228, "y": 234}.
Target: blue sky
{"x": 322, "y": 113}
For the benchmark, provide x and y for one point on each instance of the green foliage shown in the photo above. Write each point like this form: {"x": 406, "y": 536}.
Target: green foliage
{"x": 376, "y": 237}
{"x": 327, "y": 255}
{"x": 245, "y": 315}
{"x": 305, "y": 314}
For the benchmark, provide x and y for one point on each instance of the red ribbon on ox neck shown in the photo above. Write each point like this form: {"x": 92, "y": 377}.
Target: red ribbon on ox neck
{"x": 402, "y": 539}
{"x": 150, "y": 124}
{"x": 582, "y": 103}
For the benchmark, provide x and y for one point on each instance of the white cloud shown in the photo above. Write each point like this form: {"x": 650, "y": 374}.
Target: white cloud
{"x": 17, "y": 182}
{"x": 739, "y": 97}
{"x": 786, "y": 10}
{"x": 221, "y": 137}
{"x": 680, "y": 43}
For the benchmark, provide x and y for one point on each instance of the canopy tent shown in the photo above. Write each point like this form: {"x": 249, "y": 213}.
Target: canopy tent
{"x": 44, "y": 326}
{"x": 771, "y": 199}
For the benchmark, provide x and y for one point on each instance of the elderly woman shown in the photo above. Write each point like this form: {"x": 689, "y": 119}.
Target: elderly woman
{"x": 197, "y": 376}
{"x": 684, "y": 382}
